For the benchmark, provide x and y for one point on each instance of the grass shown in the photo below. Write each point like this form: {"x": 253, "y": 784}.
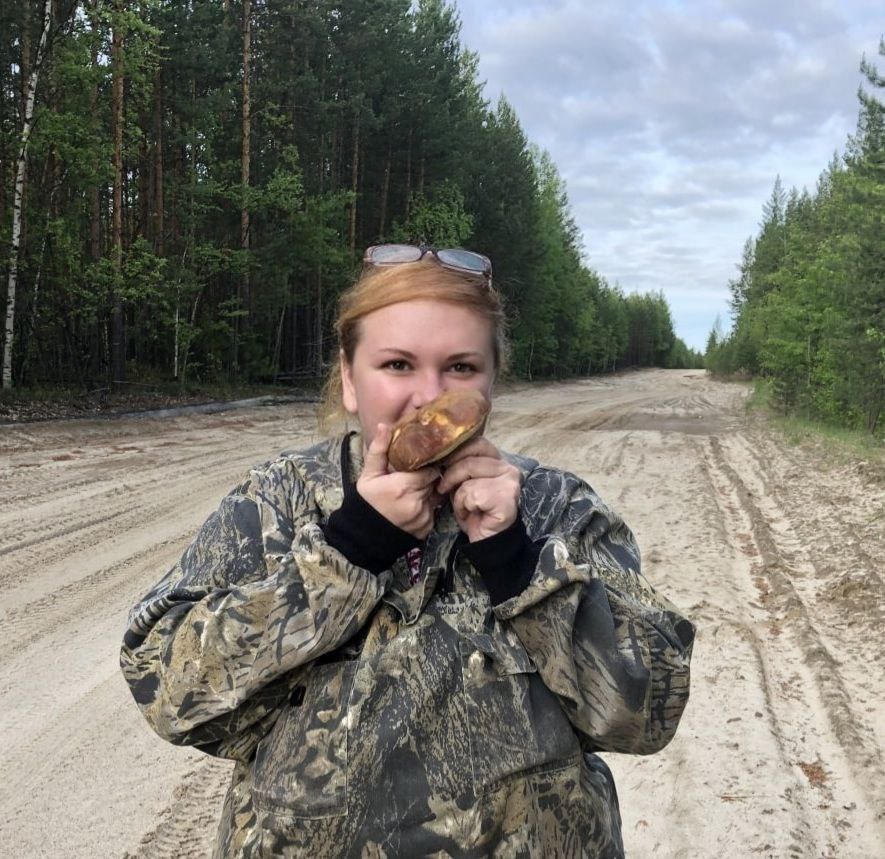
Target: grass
{"x": 839, "y": 444}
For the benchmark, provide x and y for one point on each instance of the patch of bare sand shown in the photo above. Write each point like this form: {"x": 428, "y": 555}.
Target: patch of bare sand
{"x": 772, "y": 550}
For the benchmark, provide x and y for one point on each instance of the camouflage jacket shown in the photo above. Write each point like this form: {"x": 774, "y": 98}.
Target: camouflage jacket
{"x": 371, "y": 717}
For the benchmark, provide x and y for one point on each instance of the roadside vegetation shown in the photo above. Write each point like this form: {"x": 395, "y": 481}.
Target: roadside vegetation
{"x": 186, "y": 188}
{"x": 74, "y": 401}
{"x": 835, "y": 444}
{"x": 809, "y": 302}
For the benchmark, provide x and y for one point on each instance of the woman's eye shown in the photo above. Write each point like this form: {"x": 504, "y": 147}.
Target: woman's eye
{"x": 397, "y": 364}
{"x": 463, "y": 368}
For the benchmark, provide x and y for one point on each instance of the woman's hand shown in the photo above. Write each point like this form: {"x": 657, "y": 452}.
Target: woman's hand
{"x": 484, "y": 489}
{"x": 408, "y": 499}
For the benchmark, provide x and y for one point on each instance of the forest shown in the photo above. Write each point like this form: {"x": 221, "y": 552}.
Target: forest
{"x": 186, "y": 186}
{"x": 808, "y": 304}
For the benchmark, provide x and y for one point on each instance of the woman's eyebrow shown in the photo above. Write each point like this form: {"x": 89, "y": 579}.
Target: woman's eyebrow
{"x": 394, "y": 350}
{"x": 405, "y": 353}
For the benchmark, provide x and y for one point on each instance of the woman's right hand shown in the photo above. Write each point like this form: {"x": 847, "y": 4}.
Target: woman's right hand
{"x": 408, "y": 499}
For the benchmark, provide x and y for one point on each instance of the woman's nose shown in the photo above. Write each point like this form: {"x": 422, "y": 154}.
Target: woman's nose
{"x": 429, "y": 387}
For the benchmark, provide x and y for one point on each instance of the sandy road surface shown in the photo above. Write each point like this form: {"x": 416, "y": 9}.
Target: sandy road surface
{"x": 775, "y": 554}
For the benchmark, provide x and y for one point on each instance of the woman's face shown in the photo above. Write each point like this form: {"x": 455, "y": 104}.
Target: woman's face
{"x": 408, "y": 354}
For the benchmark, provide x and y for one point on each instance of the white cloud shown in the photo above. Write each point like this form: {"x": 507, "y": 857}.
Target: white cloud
{"x": 670, "y": 120}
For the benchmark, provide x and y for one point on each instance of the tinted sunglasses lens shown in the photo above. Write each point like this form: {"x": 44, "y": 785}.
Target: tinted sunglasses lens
{"x": 466, "y": 260}
{"x": 392, "y": 254}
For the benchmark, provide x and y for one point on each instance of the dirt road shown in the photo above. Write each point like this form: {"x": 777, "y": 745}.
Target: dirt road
{"x": 774, "y": 552}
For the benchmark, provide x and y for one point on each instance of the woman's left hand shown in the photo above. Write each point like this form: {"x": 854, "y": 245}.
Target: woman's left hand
{"x": 484, "y": 489}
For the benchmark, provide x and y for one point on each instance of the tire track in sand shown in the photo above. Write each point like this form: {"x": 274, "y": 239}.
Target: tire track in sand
{"x": 756, "y": 768}
{"x": 837, "y": 759}
{"x": 186, "y": 827}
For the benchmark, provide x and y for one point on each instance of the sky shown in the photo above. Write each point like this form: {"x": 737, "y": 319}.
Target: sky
{"x": 669, "y": 121}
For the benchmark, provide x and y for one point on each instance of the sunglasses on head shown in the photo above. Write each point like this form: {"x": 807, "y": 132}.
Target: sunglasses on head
{"x": 456, "y": 259}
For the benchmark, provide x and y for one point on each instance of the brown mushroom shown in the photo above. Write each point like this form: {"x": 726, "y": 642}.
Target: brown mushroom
{"x": 436, "y": 429}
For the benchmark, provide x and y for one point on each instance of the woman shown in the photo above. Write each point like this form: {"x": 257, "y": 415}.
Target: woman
{"x": 412, "y": 664}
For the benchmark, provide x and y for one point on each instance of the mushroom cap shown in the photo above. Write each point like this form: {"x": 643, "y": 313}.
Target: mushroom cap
{"x": 437, "y": 428}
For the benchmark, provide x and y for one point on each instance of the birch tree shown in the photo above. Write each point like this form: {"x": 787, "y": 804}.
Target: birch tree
{"x": 20, "y": 173}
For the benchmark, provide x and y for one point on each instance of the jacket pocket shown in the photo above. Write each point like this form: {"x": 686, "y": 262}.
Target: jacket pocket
{"x": 515, "y": 723}
{"x": 300, "y": 768}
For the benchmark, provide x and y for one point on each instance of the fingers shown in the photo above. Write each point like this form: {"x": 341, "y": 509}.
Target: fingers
{"x": 478, "y": 458}
{"x": 485, "y": 505}
{"x": 423, "y": 478}
{"x": 484, "y": 494}
{"x": 471, "y": 468}
{"x": 375, "y": 462}
{"x": 484, "y": 488}
{"x": 423, "y": 524}
{"x": 408, "y": 499}
{"x": 463, "y": 502}
{"x": 415, "y": 512}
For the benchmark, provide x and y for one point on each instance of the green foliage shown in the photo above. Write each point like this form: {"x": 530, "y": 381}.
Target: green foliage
{"x": 367, "y": 124}
{"x": 438, "y": 218}
{"x": 650, "y": 330}
{"x": 840, "y": 444}
{"x": 681, "y": 356}
{"x": 809, "y": 304}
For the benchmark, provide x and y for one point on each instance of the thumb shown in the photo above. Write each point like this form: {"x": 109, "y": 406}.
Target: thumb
{"x": 375, "y": 463}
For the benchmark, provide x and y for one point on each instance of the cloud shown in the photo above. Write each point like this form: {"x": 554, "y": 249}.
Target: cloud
{"x": 669, "y": 121}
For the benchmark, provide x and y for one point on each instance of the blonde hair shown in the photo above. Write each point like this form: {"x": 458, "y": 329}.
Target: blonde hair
{"x": 385, "y": 285}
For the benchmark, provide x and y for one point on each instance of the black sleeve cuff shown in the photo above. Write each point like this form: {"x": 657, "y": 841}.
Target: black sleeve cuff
{"x": 364, "y": 536}
{"x": 506, "y": 561}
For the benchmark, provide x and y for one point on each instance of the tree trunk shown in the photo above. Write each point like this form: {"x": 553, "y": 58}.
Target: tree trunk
{"x": 385, "y": 190}
{"x": 187, "y": 342}
{"x": 144, "y": 227}
{"x": 321, "y": 161}
{"x": 528, "y": 369}
{"x": 321, "y": 164}
{"x": 18, "y": 199}
{"x": 293, "y": 331}
{"x": 244, "y": 174}
{"x": 354, "y": 178}
{"x": 408, "y": 178}
{"x": 51, "y": 212}
{"x": 118, "y": 345}
{"x": 318, "y": 325}
{"x": 334, "y": 150}
{"x": 175, "y": 334}
{"x": 279, "y": 341}
{"x": 25, "y": 58}
{"x": 159, "y": 224}
{"x": 96, "y": 350}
